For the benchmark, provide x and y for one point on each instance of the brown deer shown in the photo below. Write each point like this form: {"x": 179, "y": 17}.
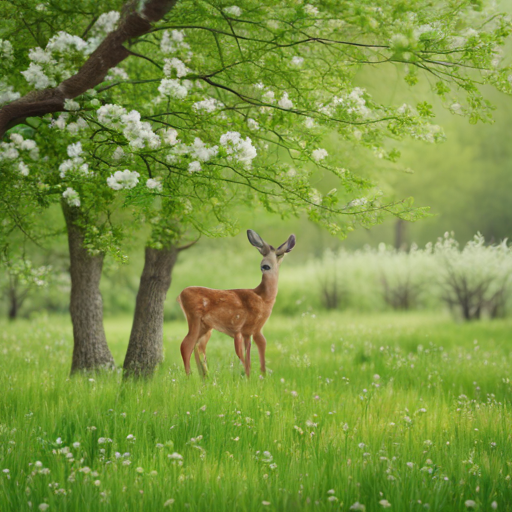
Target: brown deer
{"x": 240, "y": 314}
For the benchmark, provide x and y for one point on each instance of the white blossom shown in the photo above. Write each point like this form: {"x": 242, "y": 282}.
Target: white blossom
{"x": 285, "y": 102}
{"x": 173, "y": 41}
{"x": 74, "y": 150}
{"x": 116, "y": 73}
{"x": 7, "y": 94}
{"x": 44, "y": 506}
{"x": 234, "y": 10}
{"x": 319, "y": 154}
{"x": 309, "y": 122}
{"x": 173, "y": 88}
{"x": 358, "y": 506}
{"x": 71, "y": 196}
{"x": 177, "y": 65}
{"x": 154, "y": 184}
{"x": 311, "y": 9}
{"x": 35, "y": 76}
{"x": 123, "y": 180}
{"x": 23, "y": 169}
{"x": 110, "y": 115}
{"x": 75, "y": 127}
{"x": 118, "y": 153}
{"x": 208, "y": 105}
{"x": 269, "y": 96}
{"x": 139, "y": 133}
{"x": 70, "y": 104}
{"x": 470, "y": 503}
{"x": 64, "y": 43}
{"x": 384, "y": 503}
{"x": 169, "y": 136}
{"x": 194, "y": 166}
{"x": 201, "y": 152}
{"x": 252, "y": 124}
{"x": 238, "y": 148}
{"x": 297, "y": 61}
{"x": 6, "y": 52}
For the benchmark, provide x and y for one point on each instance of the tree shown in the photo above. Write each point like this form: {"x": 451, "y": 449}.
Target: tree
{"x": 217, "y": 105}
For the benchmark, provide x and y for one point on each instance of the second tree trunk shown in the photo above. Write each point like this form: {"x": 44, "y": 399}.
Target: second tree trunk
{"x": 145, "y": 349}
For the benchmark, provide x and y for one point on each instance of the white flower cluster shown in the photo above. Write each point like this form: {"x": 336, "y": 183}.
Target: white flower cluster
{"x": 234, "y": 10}
{"x": 123, "y": 180}
{"x": 208, "y": 105}
{"x": 297, "y": 61}
{"x": 71, "y": 196}
{"x": 116, "y": 73}
{"x": 10, "y": 151}
{"x": 7, "y": 93}
{"x": 55, "y": 60}
{"x": 238, "y": 148}
{"x": 285, "y": 102}
{"x": 353, "y": 103}
{"x": 170, "y": 136}
{"x": 6, "y": 52}
{"x": 173, "y": 41}
{"x": 105, "y": 24}
{"x": 73, "y": 127}
{"x": 75, "y": 162}
{"x": 138, "y": 133}
{"x": 201, "y": 152}
{"x": 153, "y": 184}
{"x": 174, "y": 88}
{"x": 70, "y": 104}
{"x": 319, "y": 154}
{"x": 357, "y": 202}
{"x": 176, "y": 65}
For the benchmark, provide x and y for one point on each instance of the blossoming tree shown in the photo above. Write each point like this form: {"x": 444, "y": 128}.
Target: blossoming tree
{"x": 173, "y": 112}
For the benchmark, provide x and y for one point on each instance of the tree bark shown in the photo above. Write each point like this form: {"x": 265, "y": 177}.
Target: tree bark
{"x": 90, "y": 349}
{"x": 145, "y": 349}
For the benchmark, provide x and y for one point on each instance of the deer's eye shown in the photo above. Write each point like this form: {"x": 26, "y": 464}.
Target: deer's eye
{"x": 265, "y": 267}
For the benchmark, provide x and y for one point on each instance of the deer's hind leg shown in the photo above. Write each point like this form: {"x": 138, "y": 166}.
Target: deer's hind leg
{"x": 200, "y": 353}
{"x": 189, "y": 342}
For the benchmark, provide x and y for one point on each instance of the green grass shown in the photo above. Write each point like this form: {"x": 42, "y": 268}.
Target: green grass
{"x": 413, "y": 409}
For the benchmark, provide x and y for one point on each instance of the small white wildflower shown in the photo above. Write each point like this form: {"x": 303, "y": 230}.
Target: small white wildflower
{"x": 319, "y": 154}
{"x": 168, "y": 503}
{"x": 297, "y": 61}
{"x": 384, "y": 503}
{"x": 97, "y": 483}
{"x": 266, "y": 503}
{"x": 59, "y": 440}
{"x": 76, "y": 445}
{"x": 44, "y": 506}
{"x": 175, "y": 456}
{"x": 358, "y": 506}
{"x": 23, "y": 169}
{"x": 173, "y": 88}
{"x": 470, "y": 503}
{"x": 130, "y": 437}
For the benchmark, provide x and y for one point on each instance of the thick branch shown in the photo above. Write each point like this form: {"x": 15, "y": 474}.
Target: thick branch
{"x": 109, "y": 53}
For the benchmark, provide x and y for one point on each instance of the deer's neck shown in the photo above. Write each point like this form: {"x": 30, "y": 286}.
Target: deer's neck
{"x": 267, "y": 289}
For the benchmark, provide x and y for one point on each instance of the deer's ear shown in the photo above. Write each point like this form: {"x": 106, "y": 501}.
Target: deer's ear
{"x": 258, "y": 242}
{"x": 286, "y": 247}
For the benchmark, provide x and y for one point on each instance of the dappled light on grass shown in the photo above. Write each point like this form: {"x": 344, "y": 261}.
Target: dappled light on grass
{"x": 363, "y": 412}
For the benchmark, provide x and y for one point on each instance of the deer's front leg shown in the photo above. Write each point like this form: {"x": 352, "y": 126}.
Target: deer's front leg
{"x": 238, "y": 347}
{"x": 247, "y": 344}
{"x": 261, "y": 343}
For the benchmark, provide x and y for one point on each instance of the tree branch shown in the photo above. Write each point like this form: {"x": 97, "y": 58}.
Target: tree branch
{"x": 109, "y": 53}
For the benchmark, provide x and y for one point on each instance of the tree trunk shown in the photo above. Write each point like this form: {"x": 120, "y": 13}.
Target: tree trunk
{"x": 146, "y": 339}
{"x": 90, "y": 350}
{"x": 13, "y": 304}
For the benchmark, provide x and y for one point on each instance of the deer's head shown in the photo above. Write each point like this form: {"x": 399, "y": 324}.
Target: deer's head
{"x": 272, "y": 258}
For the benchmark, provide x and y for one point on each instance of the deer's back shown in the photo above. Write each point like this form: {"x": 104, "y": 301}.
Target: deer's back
{"x": 228, "y": 311}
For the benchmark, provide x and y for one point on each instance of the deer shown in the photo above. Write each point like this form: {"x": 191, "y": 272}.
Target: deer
{"x": 239, "y": 313}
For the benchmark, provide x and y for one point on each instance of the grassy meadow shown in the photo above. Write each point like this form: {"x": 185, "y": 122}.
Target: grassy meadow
{"x": 367, "y": 412}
